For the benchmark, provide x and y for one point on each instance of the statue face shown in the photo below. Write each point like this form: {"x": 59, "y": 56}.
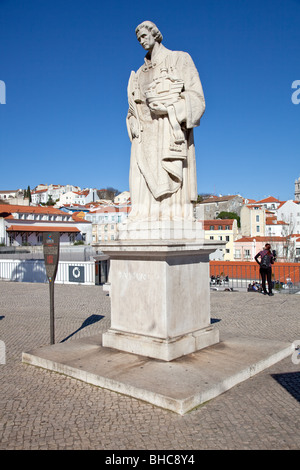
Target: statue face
{"x": 146, "y": 39}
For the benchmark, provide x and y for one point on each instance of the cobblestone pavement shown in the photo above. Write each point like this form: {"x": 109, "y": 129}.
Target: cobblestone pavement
{"x": 41, "y": 409}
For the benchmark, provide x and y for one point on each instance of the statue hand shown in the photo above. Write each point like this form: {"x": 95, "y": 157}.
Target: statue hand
{"x": 158, "y": 108}
{"x": 134, "y": 128}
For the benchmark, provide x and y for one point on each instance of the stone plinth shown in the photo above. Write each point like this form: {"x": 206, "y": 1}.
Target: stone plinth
{"x": 160, "y": 297}
{"x": 161, "y": 230}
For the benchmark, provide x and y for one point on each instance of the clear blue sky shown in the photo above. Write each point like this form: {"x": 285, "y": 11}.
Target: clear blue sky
{"x": 66, "y": 65}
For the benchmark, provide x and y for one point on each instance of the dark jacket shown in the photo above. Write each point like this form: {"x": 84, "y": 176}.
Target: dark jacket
{"x": 262, "y": 254}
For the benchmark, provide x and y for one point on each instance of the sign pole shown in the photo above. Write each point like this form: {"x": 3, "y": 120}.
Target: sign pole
{"x": 52, "y": 328}
{"x": 51, "y": 257}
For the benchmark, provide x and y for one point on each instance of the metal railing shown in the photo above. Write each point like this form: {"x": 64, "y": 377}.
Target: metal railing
{"x": 242, "y": 275}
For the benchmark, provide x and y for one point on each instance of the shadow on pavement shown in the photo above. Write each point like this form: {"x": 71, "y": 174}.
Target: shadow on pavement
{"x": 291, "y": 382}
{"x": 89, "y": 321}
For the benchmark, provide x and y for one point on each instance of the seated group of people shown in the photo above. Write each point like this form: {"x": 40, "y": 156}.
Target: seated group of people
{"x": 219, "y": 279}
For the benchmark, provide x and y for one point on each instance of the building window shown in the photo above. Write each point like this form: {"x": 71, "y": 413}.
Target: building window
{"x": 257, "y": 228}
{"x": 227, "y": 238}
{"x": 212, "y": 227}
{"x": 237, "y": 254}
{"x": 257, "y": 218}
{"x": 211, "y": 237}
{"x": 247, "y": 253}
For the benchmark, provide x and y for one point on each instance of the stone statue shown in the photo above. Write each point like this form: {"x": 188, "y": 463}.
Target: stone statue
{"x": 166, "y": 102}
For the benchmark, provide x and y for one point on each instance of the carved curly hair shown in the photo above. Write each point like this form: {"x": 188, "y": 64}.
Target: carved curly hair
{"x": 151, "y": 27}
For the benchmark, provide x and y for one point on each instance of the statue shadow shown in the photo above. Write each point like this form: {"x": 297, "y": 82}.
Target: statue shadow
{"x": 87, "y": 322}
{"x": 214, "y": 320}
{"x": 291, "y": 382}
{"x": 1, "y": 317}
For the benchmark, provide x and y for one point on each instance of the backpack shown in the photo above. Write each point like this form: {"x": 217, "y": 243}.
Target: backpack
{"x": 265, "y": 261}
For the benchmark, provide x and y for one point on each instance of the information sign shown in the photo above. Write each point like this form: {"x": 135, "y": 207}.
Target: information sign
{"x": 51, "y": 257}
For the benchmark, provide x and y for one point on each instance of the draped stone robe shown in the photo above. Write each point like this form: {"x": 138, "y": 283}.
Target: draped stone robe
{"x": 162, "y": 176}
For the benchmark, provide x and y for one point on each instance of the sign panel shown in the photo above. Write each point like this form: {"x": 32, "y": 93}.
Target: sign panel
{"x": 76, "y": 273}
{"x": 51, "y": 253}
{"x": 51, "y": 256}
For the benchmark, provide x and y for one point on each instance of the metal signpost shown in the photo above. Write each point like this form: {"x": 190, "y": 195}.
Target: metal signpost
{"x": 51, "y": 256}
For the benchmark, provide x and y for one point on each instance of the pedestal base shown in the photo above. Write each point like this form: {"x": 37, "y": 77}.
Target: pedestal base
{"x": 160, "y": 297}
{"x": 164, "y": 349}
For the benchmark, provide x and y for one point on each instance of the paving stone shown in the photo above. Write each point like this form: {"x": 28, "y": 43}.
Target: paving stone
{"x": 40, "y": 409}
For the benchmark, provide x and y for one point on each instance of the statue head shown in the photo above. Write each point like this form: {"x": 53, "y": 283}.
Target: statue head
{"x": 147, "y": 27}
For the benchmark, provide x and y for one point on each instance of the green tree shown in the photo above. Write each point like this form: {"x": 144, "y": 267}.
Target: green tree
{"x": 203, "y": 196}
{"x": 27, "y": 194}
{"x": 230, "y": 215}
{"x": 50, "y": 201}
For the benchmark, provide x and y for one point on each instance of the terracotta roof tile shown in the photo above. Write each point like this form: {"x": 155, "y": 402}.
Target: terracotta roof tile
{"x": 35, "y": 228}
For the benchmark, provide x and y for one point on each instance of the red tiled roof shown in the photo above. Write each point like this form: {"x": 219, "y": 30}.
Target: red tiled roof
{"x": 10, "y": 208}
{"x": 268, "y": 199}
{"x": 261, "y": 239}
{"x": 274, "y": 221}
{"x": 252, "y": 206}
{"x": 81, "y": 193}
{"x": 35, "y": 228}
{"x": 217, "y": 223}
{"x": 107, "y": 209}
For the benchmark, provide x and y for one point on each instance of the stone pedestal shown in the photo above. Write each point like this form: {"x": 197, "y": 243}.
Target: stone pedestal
{"x": 160, "y": 297}
{"x": 161, "y": 230}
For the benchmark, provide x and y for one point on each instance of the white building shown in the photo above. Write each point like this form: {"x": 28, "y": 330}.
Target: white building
{"x": 43, "y": 192}
{"x": 105, "y": 221}
{"x": 122, "y": 198}
{"x": 289, "y": 212}
{"x": 253, "y": 220}
{"x": 24, "y": 225}
{"x": 223, "y": 230}
{"x": 78, "y": 197}
{"x": 269, "y": 203}
{"x": 274, "y": 227}
{"x": 40, "y": 196}
{"x": 14, "y": 196}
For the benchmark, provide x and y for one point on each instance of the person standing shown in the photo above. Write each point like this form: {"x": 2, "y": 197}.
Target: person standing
{"x": 265, "y": 263}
